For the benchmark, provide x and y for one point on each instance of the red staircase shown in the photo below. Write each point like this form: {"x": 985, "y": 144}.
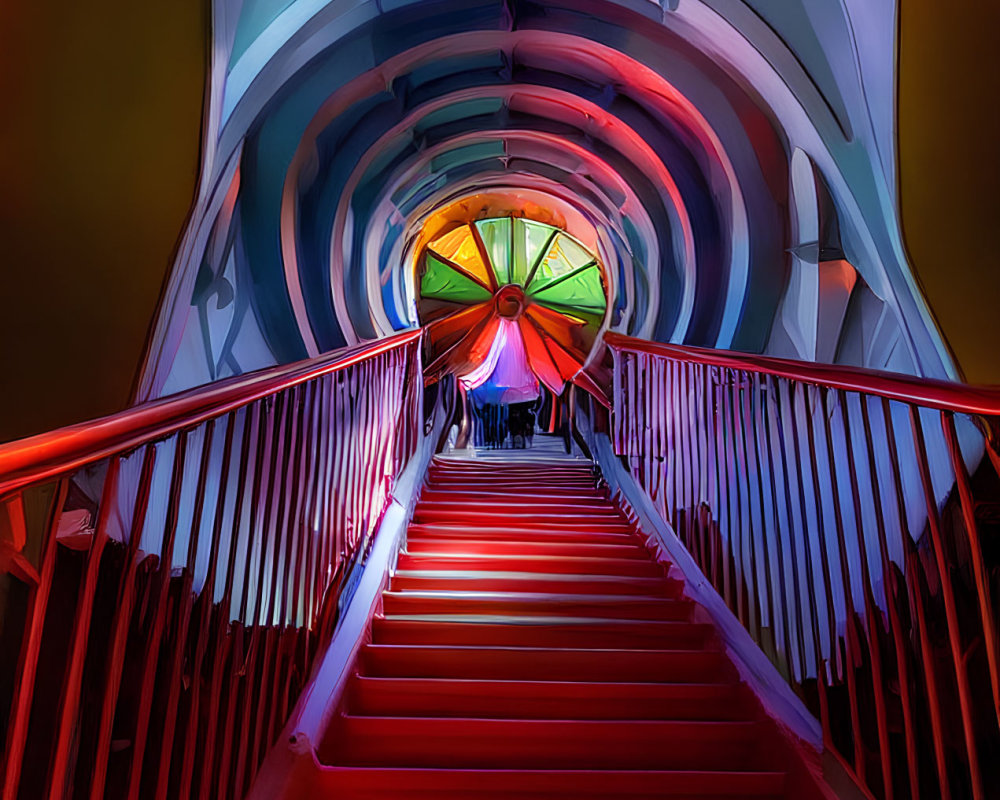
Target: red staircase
{"x": 529, "y": 645}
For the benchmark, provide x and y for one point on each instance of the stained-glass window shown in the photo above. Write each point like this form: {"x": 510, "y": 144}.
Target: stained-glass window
{"x": 526, "y": 272}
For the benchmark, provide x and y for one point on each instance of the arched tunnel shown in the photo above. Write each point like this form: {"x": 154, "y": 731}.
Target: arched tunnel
{"x": 734, "y": 186}
{"x": 759, "y": 558}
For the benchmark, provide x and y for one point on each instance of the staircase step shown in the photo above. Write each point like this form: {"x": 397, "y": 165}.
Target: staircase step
{"x": 381, "y": 783}
{"x": 500, "y": 547}
{"x": 508, "y": 631}
{"x": 521, "y": 516}
{"x": 518, "y": 534}
{"x": 546, "y": 663}
{"x": 542, "y": 564}
{"x": 424, "y": 580}
{"x": 435, "y": 697}
{"x": 475, "y": 602}
{"x": 568, "y": 491}
{"x": 534, "y": 496}
{"x": 504, "y": 503}
{"x": 540, "y": 744}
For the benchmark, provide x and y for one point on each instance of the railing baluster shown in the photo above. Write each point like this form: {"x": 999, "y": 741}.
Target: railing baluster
{"x": 824, "y": 563}
{"x": 895, "y": 623}
{"x": 851, "y": 637}
{"x": 250, "y": 719}
{"x": 255, "y": 432}
{"x": 745, "y": 434}
{"x": 951, "y": 613}
{"x": 979, "y": 572}
{"x": 206, "y": 600}
{"x": 151, "y": 649}
{"x": 70, "y": 695}
{"x": 806, "y": 565}
{"x": 24, "y": 681}
{"x": 780, "y": 428}
{"x": 911, "y": 565}
{"x": 871, "y": 610}
{"x": 120, "y": 623}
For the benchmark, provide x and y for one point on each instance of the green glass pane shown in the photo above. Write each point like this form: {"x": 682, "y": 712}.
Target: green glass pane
{"x": 495, "y": 234}
{"x": 564, "y": 256}
{"x": 535, "y": 236}
{"x": 444, "y": 283}
{"x": 580, "y": 289}
{"x": 518, "y": 257}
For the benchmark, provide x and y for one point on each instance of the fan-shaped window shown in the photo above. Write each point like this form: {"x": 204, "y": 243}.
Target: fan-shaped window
{"x": 528, "y": 286}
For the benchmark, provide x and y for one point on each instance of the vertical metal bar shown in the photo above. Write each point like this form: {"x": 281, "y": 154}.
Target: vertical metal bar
{"x": 304, "y": 539}
{"x": 824, "y": 560}
{"x": 183, "y": 619}
{"x": 687, "y": 433}
{"x": 979, "y": 570}
{"x": 779, "y": 428}
{"x": 291, "y": 531}
{"x": 852, "y": 637}
{"x": 873, "y": 622}
{"x": 24, "y": 679}
{"x": 151, "y": 647}
{"x": 807, "y": 576}
{"x": 742, "y": 425}
{"x": 207, "y": 598}
{"x": 120, "y": 621}
{"x": 895, "y": 624}
{"x": 951, "y": 612}
{"x": 252, "y": 421}
{"x": 762, "y": 421}
{"x": 930, "y": 678}
{"x": 69, "y": 704}
{"x": 229, "y": 771}
{"x": 245, "y": 759}
{"x": 911, "y": 565}
{"x": 739, "y": 528}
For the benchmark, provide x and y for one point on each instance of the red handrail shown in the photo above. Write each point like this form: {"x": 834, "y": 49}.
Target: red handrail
{"x": 962, "y": 398}
{"x": 38, "y": 458}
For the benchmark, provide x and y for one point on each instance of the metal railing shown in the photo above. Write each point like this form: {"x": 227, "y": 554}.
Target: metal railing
{"x": 168, "y": 573}
{"x": 835, "y": 511}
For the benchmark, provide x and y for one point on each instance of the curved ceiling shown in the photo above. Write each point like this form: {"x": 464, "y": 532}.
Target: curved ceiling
{"x": 336, "y": 130}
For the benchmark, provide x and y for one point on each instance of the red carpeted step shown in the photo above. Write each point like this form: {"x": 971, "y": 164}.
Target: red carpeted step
{"x": 546, "y": 605}
{"x": 422, "y": 580}
{"x": 380, "y": 783}
{"x": 425, "y": 697}
{"x": 542, "y": 744}
{"x": 515, "y": 503}
{"x": 511, "y": 631}
{"x": 512, "y": 533}
{"x": 520, "y": 516}
{"x": 539, "y": 497}
{"x": 545, "y": 663}
{"x": 542, "y": 564}
{"x": 482, "y": 547}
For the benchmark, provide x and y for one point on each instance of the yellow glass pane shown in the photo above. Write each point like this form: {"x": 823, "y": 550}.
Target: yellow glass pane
{"x": 460, "y": 248}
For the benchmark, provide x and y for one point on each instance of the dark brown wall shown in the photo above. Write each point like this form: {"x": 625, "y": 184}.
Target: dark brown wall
{"x": 99, "y": 142}
{"x": 99, "y": 138}
{"x": 949, "y": 134}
